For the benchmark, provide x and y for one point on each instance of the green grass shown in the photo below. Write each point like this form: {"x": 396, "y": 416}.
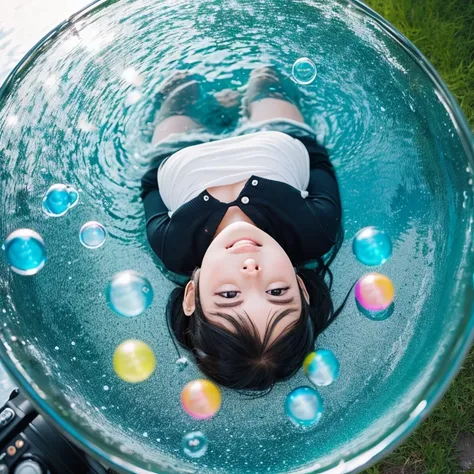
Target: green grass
{"x": 443, "y": 30}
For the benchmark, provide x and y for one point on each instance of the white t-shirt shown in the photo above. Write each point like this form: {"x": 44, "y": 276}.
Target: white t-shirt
{"x": 267, "y": 154}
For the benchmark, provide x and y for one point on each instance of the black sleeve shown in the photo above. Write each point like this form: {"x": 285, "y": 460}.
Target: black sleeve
{"x": 323, "y": 199}
{"x": 156, "y": 212}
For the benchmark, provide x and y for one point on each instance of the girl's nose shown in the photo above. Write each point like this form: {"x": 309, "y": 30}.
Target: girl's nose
{"x": 250, "y": 267}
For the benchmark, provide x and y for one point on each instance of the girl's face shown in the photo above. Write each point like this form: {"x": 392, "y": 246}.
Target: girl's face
{"x": 246, "y": 271}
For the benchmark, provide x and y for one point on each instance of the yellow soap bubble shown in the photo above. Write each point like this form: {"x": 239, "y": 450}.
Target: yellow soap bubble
{"x": 134, "y": 361}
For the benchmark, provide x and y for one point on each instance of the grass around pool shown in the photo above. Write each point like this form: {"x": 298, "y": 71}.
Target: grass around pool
{"x": 443, "y": 30}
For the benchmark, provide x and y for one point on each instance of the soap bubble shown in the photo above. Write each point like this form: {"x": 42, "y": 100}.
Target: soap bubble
{"x": 304, "y": 71}
{"x": 374, "y": 292}
{"x": 92, "y": 235}
{"x": 201, "y": 399}
{"x": 321, "y": 367}
{"x": 194, "y": 444}
{"x": 129, "y": 293}
{"x": 134, "y": 361}
{"x": 59, "y": 199}
{"x": 372, "y": 246}
{"x": 25, "y": 251}
{"x": 304, "y": 406}
{"x": 182, "y": 363}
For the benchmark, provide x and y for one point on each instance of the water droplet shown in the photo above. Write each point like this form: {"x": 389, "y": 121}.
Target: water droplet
{"x": 125, "y": 293}
{"x": 182, "y": 363}
{"x": 145, "y": 435}
{"x": 194, "y": 444}
{"x": 132, "y": 98}
{"x": 106, "y": 387}
{"x": 131, "y": 76}
{"x": 25, "y": 251}
{"x": 304, "y": 406}
{"x": 382, "y": 109}
{"x": 321, "y": 367}
{"x": 92, "y": 235}
{"x": 56, "y": 348}
{"x": 304, "y": 71}
{"x": 372, "y": 246}
{"x": 134, "y": 361}
{"x": 59, "y": 199}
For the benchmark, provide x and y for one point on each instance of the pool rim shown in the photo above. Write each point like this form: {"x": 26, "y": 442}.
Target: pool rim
{"x": 432, "y": 392}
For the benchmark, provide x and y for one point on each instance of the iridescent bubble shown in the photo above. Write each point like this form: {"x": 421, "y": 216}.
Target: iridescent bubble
{"x": 129, "y": 293}
{"x": 25, "y": 251}
{"x": 304, "y": 71}
{"x": 372, "y": 246}
{"x": 59, "y": 199}
{"x": 374, "y": 292}
{"x": 134, "y": 361}
{"x": 304, "y": 406}
{"x": 92, "y": 235}
{"x": 201, "y": 399}
{"x": 182, "y": 363}
{"x": 194, "y": 444}
{"x": 321, "y": 367}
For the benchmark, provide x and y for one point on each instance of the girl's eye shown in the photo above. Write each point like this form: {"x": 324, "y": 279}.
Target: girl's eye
{"x": 229, "y": 294}
{"x": 278, "y": 291}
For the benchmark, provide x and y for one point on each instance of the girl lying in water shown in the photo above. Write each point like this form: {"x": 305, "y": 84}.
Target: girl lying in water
{"x": 239, "y": 216}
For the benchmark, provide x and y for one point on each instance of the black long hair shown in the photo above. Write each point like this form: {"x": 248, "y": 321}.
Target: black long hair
{"x": 241, "y": 359}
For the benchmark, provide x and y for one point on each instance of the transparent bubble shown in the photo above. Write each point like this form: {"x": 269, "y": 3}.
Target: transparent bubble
{"x": 321, "y": 367}
{"x": 304, "y": 71}
{"x": 59, "y": 199}
{"x": 194, "y": 444}
{"x": 92, "y": 235}
{"x": 182, "y": 363}
{"x": 25, "y": 251}
{"x": 372, "y": 246}
{"x": 304, "y": 406}
{"x": 374, "y": 292}
{"x": 129, "y": 293}
{"x": 134, "y": 361}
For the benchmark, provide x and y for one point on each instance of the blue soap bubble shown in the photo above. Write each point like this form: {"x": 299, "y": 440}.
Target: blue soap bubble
{"x": 304, "y": 71}
{"x": 59, "y": 199}
{"x": 129, "y": 293}
{"x": 194, "y": 444}
{"x": 372, "y": 246}
{"x": 304, "y": 406}
{"x": 25, "y": 251}
{"x": 92, "y": 235}
{"x": 321, "y": 367}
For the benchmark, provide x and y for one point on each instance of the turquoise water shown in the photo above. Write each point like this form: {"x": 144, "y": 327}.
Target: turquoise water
{"x": 79, "y": 113}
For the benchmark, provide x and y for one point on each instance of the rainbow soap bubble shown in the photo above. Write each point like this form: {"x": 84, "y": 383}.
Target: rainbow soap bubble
{"x": 201, "y": 399}
{"x": 134, "y": 361}
{"x": 304, "y": 407}
{"x": 25, "y": 251}
{"x": 59, "y": 199}
{"x": 321, "y": 367}
{"x": 374, "y": 292}
{"x": 372, "y": 246}
{"x": 129, "y": 293}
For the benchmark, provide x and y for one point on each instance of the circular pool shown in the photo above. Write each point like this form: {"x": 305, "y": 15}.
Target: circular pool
{"x": 78, "y": 110}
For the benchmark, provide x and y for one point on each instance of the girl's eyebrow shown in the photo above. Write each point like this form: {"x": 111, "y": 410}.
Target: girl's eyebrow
{"x": 238, "y": 303}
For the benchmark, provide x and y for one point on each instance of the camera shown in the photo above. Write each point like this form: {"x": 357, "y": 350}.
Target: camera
{"x": 31, "y": 445}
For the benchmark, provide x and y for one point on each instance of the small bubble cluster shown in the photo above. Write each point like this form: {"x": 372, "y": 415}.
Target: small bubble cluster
{"x": 59, "y": 199}
{"x": 372, "y": 246}
{"x": 304, "y": 407}
{"x": 194, "y": 444}
{"x": 92, "y": 235}
{"x": 25, "y": 251}
{"x": 304, "y": 71}
{"x": 129, "y": 294}
{"x": 321, "y": 367}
